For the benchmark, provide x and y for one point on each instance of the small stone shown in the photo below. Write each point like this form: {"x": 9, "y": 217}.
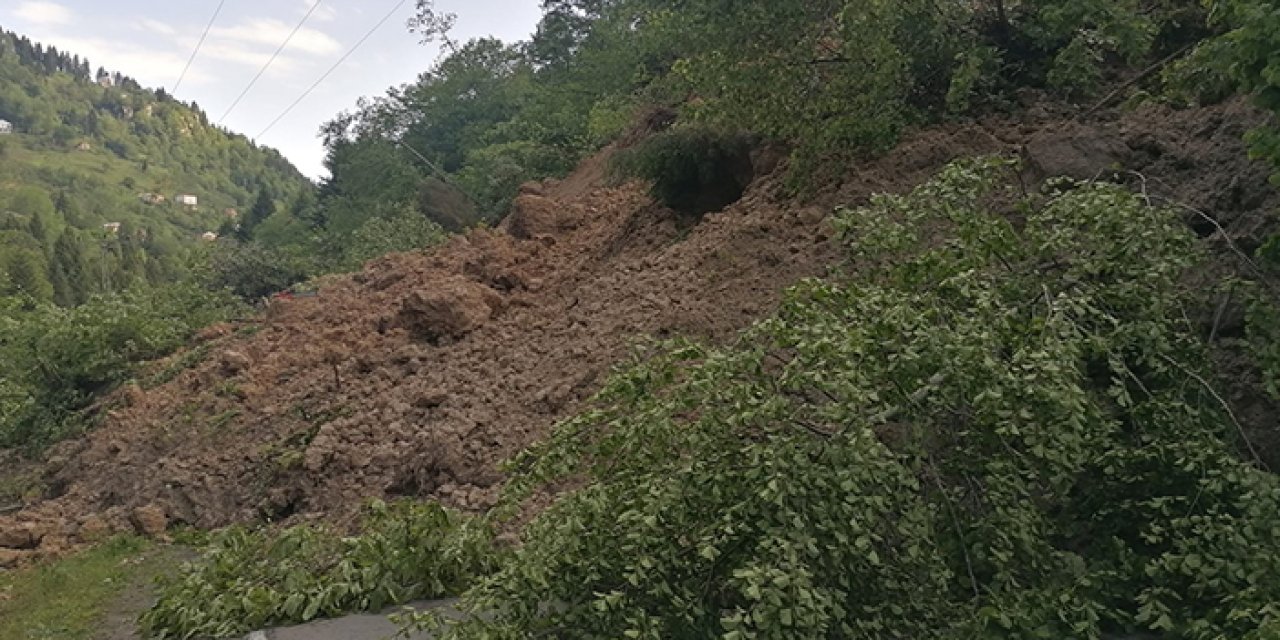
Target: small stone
{"x": 234, "y": 362}
{"x": 431, "y": 400}
{"x": 10, "y": 558}
{"x": 94, "y": 529}
{"x": 150, "y": 520}
{"x": 20, "y": 535}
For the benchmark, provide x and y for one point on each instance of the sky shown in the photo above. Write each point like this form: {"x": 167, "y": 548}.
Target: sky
{"x": 152, "y": 41}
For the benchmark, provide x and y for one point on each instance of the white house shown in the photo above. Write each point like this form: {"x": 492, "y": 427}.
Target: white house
{"x": 6, "y": 127}
{"x": 209, "y": 236}
{"x": 188, "y": 200}
{"x": 112, "y": 228}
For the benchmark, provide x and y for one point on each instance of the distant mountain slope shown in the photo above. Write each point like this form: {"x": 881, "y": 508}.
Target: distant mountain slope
{"x": 87, "y": 150}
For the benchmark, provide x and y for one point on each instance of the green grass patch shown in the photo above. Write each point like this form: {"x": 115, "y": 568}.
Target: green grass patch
{"x": 66, "y": 599}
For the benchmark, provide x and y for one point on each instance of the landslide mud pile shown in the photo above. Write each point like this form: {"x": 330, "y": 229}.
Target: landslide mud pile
{"x": 417, "y": 376}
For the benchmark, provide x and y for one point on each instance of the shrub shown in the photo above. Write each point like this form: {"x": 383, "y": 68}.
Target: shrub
{"x": 694, "y": 170}
{"x": 1247, "y": 53}
{"x": 56, "y": 361}
{"x": 446, "y": 205}
{"x": 986, "y": 430}
{"x": 1264, "y": 317}
{"x": 493, "y": 174}
{"x": 404, "y": 231}
{"x": 252, "y": 270}
{"x": 250, "y": 580}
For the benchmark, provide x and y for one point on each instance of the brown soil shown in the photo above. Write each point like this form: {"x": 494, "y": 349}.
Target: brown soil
{"x": 328, "y": 402}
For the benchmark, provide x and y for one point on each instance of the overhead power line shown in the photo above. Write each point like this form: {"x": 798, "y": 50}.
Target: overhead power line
{"x": 335, "y": 66}
{"x": 199, "y": 44}
{"x": 266, "y": 66}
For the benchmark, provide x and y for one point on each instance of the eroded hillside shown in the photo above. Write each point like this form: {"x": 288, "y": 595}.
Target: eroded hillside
{"x": 418, "y": 375}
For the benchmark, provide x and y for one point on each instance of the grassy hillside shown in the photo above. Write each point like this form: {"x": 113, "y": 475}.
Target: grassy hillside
{"x": 88, "y": 149}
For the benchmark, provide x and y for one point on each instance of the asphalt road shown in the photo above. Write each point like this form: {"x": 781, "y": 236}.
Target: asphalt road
{"x": 356, "y": 627}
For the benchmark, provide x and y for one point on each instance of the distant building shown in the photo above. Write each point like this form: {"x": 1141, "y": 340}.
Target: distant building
{"x": 209, "y": 236}
{"x": 6, "y": 127}
{"x": 187, "y": 200}
{"x": 151, "y": 198}
{"x": 111, "y": 228}
{"x": 84, "y": 146}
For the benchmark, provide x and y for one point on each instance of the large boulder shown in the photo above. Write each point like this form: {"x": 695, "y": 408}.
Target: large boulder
{"x": 20, "y": 535}
{"x": 151, "y": 520}
{"x": 94, "y": 529}
{"x": 1076, "y": 151}
{"x": 534, "y": 215}
{"x": 449, "y": 309}
{"x": 10, "y": 558}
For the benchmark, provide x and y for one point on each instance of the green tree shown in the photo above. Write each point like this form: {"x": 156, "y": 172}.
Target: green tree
{"x": 67, "y": 271}
{"x": 404, "y": 230}
{"x": 262, "y": 209}
{"x": 38, "y": 229}
{"x": 27, "y": 275}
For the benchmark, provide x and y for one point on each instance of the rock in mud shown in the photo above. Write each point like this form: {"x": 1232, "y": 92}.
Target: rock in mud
{"x": 94, "y": 529}
{"x": 151, "y": 520}
{"x": 533, "y": 215}
{"x": 234, "y": 362}
{"x": 449, "y": 309}
{"x": 20, "y": 535}
{"x": 10, "y": 558}
{"x": 1075, "y": 151}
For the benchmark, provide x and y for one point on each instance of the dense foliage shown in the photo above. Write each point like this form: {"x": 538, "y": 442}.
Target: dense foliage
{"x": 1247, "y": 56}
{"x": 987, "y": 429}
{"x": 692, "y": 170}
{"x": 1264, "y": 316}
{"x": 830, "y": 78}
{"x": 55, "y": 361}
{"x": 254, "y": 579}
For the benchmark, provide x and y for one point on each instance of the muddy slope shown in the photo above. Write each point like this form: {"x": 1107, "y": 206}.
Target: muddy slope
{"x": 418, "y": 375}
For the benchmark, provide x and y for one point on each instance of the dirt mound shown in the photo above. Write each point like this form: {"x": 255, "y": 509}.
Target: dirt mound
{"x": 418, "y": 375}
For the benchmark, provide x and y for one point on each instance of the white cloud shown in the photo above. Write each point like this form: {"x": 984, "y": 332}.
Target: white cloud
{"x": 325, "y": 13}
{"x": 270, "y": 33}
{"x": 44, "y": 13}
{"x": 155, "y": 26}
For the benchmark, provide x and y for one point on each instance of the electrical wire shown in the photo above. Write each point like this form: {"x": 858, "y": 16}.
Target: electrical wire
{"x": 335, "y": 66}
{"x": 199, "y": 44}
{"x": 235, "y": 103}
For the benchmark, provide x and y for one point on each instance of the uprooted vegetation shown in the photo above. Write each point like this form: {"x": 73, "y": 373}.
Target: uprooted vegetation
{"x": 253, "y": 579}
{"x": 998, "y": 421}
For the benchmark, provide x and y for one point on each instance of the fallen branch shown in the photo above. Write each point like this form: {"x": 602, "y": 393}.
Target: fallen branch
{"x": 1226, "y": 406}
{"x": 1135, "y": 80}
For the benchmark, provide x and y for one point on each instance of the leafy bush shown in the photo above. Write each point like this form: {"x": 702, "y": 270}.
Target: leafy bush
{"x": 55, "y": 361}
{"x": 1247, "y": 54}
{"x": 1264, "y": 317}
{"x": 693, "y": 170}
{"x": 493, "y": 174}
{"x": 405, "y": 231}
{"x": 986, "y": 430}
{"x": 252, "y": 270}
{"x": 252, "y": 580}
